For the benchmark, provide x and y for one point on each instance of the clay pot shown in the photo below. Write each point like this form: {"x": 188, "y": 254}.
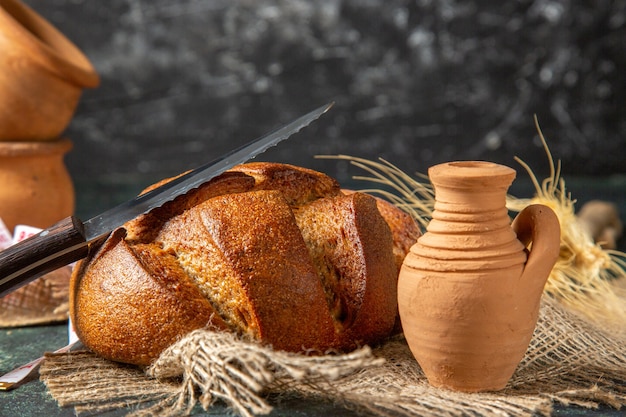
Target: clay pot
{"x": 43, "y": 75}
{"x": 469, "y": 291}
{"x": 35, "y": 186}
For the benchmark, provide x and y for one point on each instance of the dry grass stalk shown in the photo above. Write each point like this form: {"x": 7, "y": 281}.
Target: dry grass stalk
{"x": 414, "y": 197}
{"x": 586, "y": 277}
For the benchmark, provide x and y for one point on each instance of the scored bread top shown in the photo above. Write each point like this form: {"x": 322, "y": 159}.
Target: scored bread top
{"x": 274, "y": 252}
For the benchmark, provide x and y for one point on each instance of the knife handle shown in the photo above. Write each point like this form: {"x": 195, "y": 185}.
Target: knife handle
{"x": 52, "y": 248}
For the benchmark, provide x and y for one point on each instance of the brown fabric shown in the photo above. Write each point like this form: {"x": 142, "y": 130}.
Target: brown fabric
{"x": 570, "y": 360}
{"x": 217, "y": 365}
{"x": 45, "y": 300}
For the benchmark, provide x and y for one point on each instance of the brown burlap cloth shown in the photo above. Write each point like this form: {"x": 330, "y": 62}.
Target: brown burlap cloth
{"x": 576, "y": 355}
{"x": 43, "y": 301}
{"x": 570, "y": 360}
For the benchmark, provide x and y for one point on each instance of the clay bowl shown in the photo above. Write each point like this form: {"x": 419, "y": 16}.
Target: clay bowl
{"x": 43, "y": 75}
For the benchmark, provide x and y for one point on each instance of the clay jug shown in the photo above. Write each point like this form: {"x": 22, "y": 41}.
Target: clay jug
{"x": 469, "y": 290}
{"x": 43, "y": 75}
{"x": 35, "y": 186}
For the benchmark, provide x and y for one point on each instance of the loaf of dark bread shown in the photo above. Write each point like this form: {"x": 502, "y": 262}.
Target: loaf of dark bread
{"x": 274, "y": 252}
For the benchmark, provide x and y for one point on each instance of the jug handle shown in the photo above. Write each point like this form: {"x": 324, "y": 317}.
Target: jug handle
{"x": 538, "y": 224}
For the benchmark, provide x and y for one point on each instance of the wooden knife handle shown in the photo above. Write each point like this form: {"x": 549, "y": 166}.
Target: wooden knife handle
{"x": 52, "y": 248}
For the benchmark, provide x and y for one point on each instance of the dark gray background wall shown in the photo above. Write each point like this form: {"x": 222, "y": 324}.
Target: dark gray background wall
{"x": 416, "y": 82}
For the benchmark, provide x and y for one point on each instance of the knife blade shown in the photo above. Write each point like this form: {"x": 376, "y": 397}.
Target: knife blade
{"x": 71, "y": 239}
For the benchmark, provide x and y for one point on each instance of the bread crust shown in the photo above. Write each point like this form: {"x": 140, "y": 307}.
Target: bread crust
{"x": 254, "y": 267}
{"x": 131, "y": 302}
{"x": 272, "y": 251}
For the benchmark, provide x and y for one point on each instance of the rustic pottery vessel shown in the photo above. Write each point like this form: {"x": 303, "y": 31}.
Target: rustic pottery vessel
{"x": 469, "y": 291}
{"x": 43, "y": 75}
{"x": 35, "y": 186}
{"x": 36, "y": 190}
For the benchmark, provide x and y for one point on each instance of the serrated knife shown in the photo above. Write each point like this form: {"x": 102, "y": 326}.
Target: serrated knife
{"x": 71, "y": 239}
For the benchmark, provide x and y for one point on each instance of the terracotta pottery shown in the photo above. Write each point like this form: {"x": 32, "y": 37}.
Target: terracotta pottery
{"x": 35, "y": 186}
{"x": 43, "y": 75}
{"x": 469, "y": 291}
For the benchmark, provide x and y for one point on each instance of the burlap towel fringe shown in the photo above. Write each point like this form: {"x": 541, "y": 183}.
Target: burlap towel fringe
{"x": 223, "y": 367}
{"x": 217, "y": 365}
{"x": 569, "y": 360}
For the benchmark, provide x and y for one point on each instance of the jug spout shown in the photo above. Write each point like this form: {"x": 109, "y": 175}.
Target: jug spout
{"x": 538, "y": 226}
